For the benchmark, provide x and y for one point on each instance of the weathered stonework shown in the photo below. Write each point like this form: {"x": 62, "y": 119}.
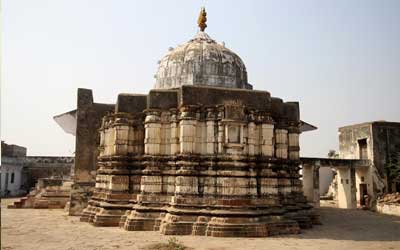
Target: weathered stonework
{"x": 201, "y": 61}
{"x": 89, "y": 115}
{"x": 378, "y": 142}
{"x": 217, "y": 162}
{"x": 201, "y": 154}
{"x": 20, "y": 173}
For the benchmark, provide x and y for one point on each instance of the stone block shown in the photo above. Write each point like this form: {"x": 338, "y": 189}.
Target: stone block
{"x": 186, "y": 185}
{"x": 281, "y": 136}
{"x": 293, "y": 139}
{"x": 119, "y": 183}
{"x": 151, "y": 184}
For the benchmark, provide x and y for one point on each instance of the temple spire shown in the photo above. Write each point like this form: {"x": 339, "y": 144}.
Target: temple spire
{"x": 201, "y": 21}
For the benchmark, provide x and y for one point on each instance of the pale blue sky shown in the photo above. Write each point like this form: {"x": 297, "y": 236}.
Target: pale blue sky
{"x": 340, "y": 58}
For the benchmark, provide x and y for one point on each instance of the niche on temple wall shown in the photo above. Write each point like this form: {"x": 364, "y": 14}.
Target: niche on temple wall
{"x": 234, "y": 140}
{"x": 233, "y": 134}
{"x": 234, "y": 122}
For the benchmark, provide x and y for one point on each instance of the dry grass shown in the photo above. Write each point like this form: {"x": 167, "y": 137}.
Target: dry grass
{"x": 172, "y": 244}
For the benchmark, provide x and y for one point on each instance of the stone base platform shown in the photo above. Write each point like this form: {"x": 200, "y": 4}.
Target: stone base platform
{"x": 229, "y": 225}
{"x": 104, "y": 214}
{"x": 233, "y": 226}
{"x": 148, "y": 220}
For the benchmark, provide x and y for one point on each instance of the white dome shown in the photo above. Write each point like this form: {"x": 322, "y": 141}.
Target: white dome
{"x": 201, "y": 61}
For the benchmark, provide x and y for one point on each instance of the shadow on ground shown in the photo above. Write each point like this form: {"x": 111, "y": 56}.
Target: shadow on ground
{"x": 353, "y": 224}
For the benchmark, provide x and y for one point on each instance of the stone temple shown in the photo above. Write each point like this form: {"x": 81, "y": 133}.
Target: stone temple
{"x": 200, "y": 154}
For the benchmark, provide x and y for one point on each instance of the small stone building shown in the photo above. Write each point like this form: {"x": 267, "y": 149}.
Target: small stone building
{"x": 12, "y": 178}
{"x": 361, "y": 166}
{"x": 374, "y": 141}
{"x": 202, "y": 153}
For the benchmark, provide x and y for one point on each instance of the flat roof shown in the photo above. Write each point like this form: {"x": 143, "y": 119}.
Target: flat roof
{"x": 379, "y": 122}
{"x": 335, "y": 162}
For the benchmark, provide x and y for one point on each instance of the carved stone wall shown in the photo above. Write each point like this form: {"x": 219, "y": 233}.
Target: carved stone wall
{"x": 214, "y": 163}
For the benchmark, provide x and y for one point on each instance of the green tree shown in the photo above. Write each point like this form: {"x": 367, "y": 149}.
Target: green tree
{"x": 392, "y": 167}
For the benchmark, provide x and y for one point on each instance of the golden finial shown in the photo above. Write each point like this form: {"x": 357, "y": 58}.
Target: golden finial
{"x": 201, "y": 21}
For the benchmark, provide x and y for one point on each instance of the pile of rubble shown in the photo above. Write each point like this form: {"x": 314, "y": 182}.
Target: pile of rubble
{"x": 390, "y": 198}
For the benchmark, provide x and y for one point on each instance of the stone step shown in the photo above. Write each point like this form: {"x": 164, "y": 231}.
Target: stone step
{"x": 18, "y": 204}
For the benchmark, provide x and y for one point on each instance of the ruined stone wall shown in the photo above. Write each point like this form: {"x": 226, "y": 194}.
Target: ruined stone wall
{"x": 386, "y": 136}
{"x": 11, "y": 150}
{"x": 386, "y": 145}
{"x": 389, "y": 204}
{"x": 89, "y": 117}
{"x": 390, "y": 209}
{"x": 348, "y": 140}
{"x": 382, "y": 140}
{"x": 38, "y": 167}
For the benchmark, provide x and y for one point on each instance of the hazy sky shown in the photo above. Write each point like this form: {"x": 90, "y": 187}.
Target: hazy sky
{"x": 339, "y": 59}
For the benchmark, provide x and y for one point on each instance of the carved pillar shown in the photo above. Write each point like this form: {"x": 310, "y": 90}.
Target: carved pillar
{"x": 109, "y": 137}
{"x": 211, "y": 139}
{"x": 186, "y": 138}
{"x": 187, "y": 130}
{"x": 136, "y": 136}
{"x": 102, "y": 132}
{"x": 151, "y": 179}
{"x": 152, "y": 138}
{"x": 121, "y": 130}
{"x": 293, "y": 142}
{"x": 267, "y": 136}
{"x": 221, "y": 137}
{"x": 251, "y": 140}
{"x": 186, "y": 182}
{"x": 281, "y": 143}
{"x": 221, "y": 131}
{"x": 175, "y": 146}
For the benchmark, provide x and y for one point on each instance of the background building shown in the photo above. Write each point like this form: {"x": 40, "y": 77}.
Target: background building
{"x": 378, "y": 142}
{"x": 20, "y": 173}
{"x": 12, "y": 179}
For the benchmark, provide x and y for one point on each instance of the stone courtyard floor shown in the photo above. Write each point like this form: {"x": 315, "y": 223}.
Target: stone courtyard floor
{"x": 53, "y": 229}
